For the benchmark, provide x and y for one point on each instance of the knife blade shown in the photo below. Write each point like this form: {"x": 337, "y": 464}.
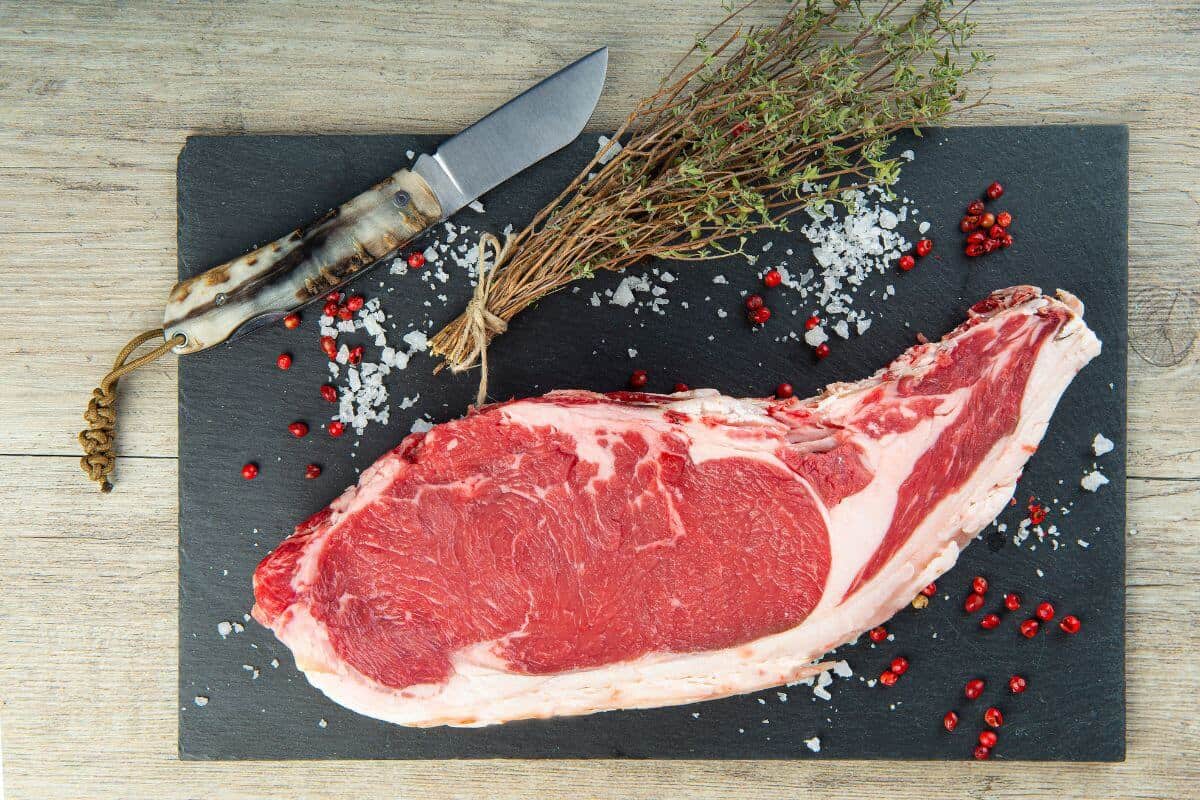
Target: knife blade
{"x": 256, "y": 289}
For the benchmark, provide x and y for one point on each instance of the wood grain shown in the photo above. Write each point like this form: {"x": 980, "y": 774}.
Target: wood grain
{"x": 96, "y": 100}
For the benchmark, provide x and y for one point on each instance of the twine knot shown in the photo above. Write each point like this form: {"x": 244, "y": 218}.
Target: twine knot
{"x": 482, "y": 323}
{"x": 99, "y": 439}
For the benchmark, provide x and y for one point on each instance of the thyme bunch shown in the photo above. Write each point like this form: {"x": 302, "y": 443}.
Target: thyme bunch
{"x": 739, "y": 136}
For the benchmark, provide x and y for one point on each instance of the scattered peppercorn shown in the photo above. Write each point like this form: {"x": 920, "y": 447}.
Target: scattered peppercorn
{"x": 821, "y": 350}
{"x": 682, "y": 387}
{"x": 988, "y": 739}
{"x": 899, "y": 665}
{"x": 994, "y": 190}
{"x": 330, "y": 309}
{"x": 250, "y": 471}
{"x": 1004, "y": 219}
{"x": 812, "y": 322}
{"x": 638, "y": 379}
{"x": 1029, "y": 628}
{"x": 993, "y": 717}
{"x": 772, "y": 279}
{"x": 345, "y": 314}
{"x": 1070, "y": 624}
{"x": 1017, "y": 684}
{"x": 1007, "y": 240}
{"x": 888, "y": 678}
{"x": 973, "y": 603}
{"x": 877, "y": 635}
{"x": 975, "y": 208}
{"x": 759, "y": 316}
{"x": 336, "y": 428}
{"x": 930, "y": 589}
{"x": 968, "y": 223}
{"x": 416, "y": 260}
{"x": 950, "y": 721}
{"x": 312, "y": 471}
{"x": 291, "y": 321}
{"x": 329, "y": 346}
{"x": 907, "y": 262}
{"x": 334, "y": 297}
{"x": 924, "y": 247}
{"x": 284, "y": 361}
{"x": 784, "y": 390}
{"x": 355, "y": 302}
{"x": 739, "y": 129}
{"x": 982, "y": 753}
{"x": 973, "y": 250}
{"x": 996, "y": 232}
{"x": 298, "y": 429}
{"x": 979, "y": 585}
{"x": 974, "y": 688}
{"x": 1044, "y": 612}
{"x": 987, "y": 220}
{"x": 989, "y": 621}
{"x": 1012, "y": 601}
{"x": 754, "y": 302}
{"x": 356, "y": 354}
{"x": 329, "y": 393}
{"x": 1037, "y": 512}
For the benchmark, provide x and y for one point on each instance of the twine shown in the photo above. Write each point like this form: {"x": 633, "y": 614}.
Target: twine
{"x": 482, "y": 323}
{"x": 99, "y": 439}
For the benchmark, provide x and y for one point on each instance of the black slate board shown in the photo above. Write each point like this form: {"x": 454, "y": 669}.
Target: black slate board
{"x": 1067, "y": 190}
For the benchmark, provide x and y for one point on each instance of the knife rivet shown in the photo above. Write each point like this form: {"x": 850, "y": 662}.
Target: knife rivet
{"x": 219, "y": 300}
{"x": 401, "y": 199}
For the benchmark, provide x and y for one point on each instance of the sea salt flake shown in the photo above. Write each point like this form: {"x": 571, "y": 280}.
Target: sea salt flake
{"x": 813, "y": 744}
{"x": 224, "y": 628}
{"x": 1102, "y": 444}
{"x": 200, "y": 700}
{"x": 1093, "y": 480}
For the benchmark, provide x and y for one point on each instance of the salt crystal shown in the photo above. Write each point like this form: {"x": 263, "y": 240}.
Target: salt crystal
{"x": 421, "y": 425}
{"x": 322, "y": 723}
{"x": 623, "y": 295}
{"x": 595, "y": 299}
{"x": 722, "y": 313}
{"x": 416, "y": 340}
{"x": 612, "y": 151}
{"x": 632, "y": 353}
{"x": 923, "y": 227}
{"x": 1093, "y": 480}
{"x": 224, "y": 628}
{"x": 908, "y": 155}
{"x": 1101, "y": 444}
{"x": 409, "y": 154}
{"x": 816, "y": 336}
{"x": 719, "y": 279}
{"x": 842, "y": 669}
{"x": 200, "y": 700}
{"x": 813, "y": 744}
{"x": 475, "y": 206}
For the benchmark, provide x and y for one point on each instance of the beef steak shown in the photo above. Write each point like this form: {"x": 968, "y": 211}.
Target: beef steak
{"x": 580, "y": 552}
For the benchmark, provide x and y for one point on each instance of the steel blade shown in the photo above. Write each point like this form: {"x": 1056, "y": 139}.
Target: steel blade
{"x": 516, "y": 135}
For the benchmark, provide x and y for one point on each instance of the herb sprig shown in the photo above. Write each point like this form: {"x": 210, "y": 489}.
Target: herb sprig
{"x": 739, "y": 136}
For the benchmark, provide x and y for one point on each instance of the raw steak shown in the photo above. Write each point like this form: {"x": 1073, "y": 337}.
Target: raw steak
{"x": 580, "y": 552}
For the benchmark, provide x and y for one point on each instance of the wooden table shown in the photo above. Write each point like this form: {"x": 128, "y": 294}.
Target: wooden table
{"x": 95, "y": 102}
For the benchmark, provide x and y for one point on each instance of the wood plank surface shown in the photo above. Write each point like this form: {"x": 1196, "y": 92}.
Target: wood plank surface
{"x": 95, "y": 102}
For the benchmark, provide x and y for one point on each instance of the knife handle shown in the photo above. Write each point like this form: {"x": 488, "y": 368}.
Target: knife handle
{"x": 265, "y": 284}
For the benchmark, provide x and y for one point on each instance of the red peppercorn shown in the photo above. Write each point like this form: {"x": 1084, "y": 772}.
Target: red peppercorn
{"x": 990, "y": 245}
{"x": 1012, "y": 601}
{"x": 250, "y": 471}
{"x": 979, "y": 584}
{"x": 1044, "y": 612}
{"x": 993, "y": 718}
{"x": 638, "y": 379}
{"x": 924, "y": 247}
{"x": 1004, "y": 219}
{"x": 907, "y": 262}
{"x": 1017, "y": 684}
{"x": 739, "y": 129}
{"x": 973, "y": 250}
{"x": 333, "y": 297}
{"x": 989, "y": 621}
{"x": 329, "y": 393}
{"x": 821, "y": 350}
{"x": 760, "y": 315}
{"x": 345, "y": 314}
{"x": 336, "y": 428}
{"x": 284, "y": 361}
{"x": 968, "y": 223}
{"x": 877, "y": 635}
{"x": 416, "y": 260}
{"x": 978, "y": 237}
{"x": 1037, "y": 513}
{"x": 973, "y": 603}
{"x": 1029, "y": 628}
{"x": 994, "y": 190}
{"x": 982, "y": 753}
{"x": 812, "y": 322}
{"x": 291, "y": 321}
{"x": 1070, "y": 624}
{"x": 772, "y": 279}
{"x": 899, "y": 665}
{"x": 987, "y": 220}
{"x": 950, "y": 721}
{"x": 996, "y": 233}
{"x": 312, "y": 471}
{"x": 682, "y": 387}
{"x": 988, "y": 738}
{"x": 888, "y": 678}
{"x": 975, "y": 208}
{"x": 356, "y": 354}
{"x": 930, "y": 590}
{"x": 754, "y": 302}
{"x": 974, "y": 688}
{"x": 784, "y": 390}
{"x": 355, "y": 302}
{"x": 329, "y": 346}
{"x": 298, "y": 429}
{"x": 1007, "y": 240}
{"x": 330, "y": 309}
